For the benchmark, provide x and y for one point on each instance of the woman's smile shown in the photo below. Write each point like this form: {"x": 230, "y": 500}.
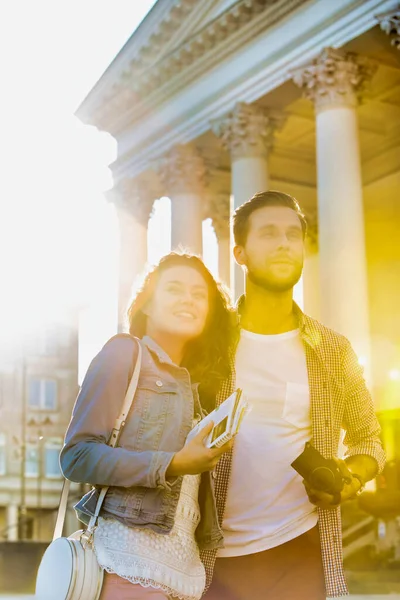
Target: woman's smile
{"x": 184, "y": 314}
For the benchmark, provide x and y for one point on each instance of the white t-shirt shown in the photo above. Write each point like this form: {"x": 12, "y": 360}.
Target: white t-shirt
{"x": 266, "y": 503}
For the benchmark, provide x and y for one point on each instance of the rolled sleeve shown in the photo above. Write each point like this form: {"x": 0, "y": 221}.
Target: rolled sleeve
{"x": 159, "y": 467}
{"x": 360, "y": 421}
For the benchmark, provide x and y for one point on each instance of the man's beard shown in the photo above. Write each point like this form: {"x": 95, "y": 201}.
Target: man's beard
{"x": 273, "y": 284}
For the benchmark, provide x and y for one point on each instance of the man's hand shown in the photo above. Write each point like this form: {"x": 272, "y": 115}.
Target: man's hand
{"x": 195, "y": 457}
{"x": 329, "y": 501}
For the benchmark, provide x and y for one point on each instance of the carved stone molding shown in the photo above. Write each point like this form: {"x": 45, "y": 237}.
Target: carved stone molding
{"x": 390, "y": 24}
{"x": 135, "y": 197}
{"x": 153, "y": 68}
{"x": 247, "y": 130}
{"x": 215, "y": 32}
{"x": 335, "y": 78}
{"x": 219, "y": 212}
{"x": 182, "y": 171}
{"x": 117, "y": 102}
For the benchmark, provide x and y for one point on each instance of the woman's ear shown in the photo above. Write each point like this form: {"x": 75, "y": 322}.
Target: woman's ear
{"x": 147, "y": 308}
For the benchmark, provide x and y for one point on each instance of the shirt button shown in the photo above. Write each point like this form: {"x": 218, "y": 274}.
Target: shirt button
{"x": 213, "y": 474}
{"x": 159, "y": 383}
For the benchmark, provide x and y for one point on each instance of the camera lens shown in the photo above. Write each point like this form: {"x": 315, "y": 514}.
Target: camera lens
{"x": 323, "y": 479}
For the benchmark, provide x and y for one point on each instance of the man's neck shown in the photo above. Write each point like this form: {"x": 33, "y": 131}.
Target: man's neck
{"x": 266, "y": 312}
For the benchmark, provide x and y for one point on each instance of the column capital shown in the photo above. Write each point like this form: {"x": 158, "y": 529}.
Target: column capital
{"x": 133, "y": 196}
{"x": 335, "y": 78}
{"x": 247, "y": 130}
{"x": 390, "y": 24}
{"x": 219, "y": 212}
{"x": 182, "y": 170}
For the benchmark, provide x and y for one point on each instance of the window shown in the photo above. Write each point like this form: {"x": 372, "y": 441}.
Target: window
{"x": 42, "y": 394}
{"x": 2, "y": 454}
{"x": 32, "y": 460}
{"x": 51, "y": 458}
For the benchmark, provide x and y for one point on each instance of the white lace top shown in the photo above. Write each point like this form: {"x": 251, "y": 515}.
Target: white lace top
{"x": 167, "y": 562}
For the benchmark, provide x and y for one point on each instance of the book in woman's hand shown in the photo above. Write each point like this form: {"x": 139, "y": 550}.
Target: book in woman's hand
{"x": 227, "y": 418}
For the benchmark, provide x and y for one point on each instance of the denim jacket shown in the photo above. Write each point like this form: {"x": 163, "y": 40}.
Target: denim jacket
{"x": 140, "y": 493}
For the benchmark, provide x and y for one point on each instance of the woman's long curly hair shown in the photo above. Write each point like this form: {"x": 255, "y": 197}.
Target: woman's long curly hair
{"x": 207, "y": 357}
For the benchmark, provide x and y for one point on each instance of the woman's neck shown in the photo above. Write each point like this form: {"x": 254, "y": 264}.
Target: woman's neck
{"x": 173, "y": 346}
{"x": 268, "y": 312}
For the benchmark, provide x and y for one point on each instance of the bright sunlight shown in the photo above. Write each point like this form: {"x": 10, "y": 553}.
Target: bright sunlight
{"x": 58, "y": 235}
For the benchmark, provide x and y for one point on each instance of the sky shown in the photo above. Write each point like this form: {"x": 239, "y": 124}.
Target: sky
{"x": 58, "y": 234}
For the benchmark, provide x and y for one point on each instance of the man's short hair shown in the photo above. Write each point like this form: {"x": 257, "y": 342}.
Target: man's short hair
{"x": 260, "y": 200}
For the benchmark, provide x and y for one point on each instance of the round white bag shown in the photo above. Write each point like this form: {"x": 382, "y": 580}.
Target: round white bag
{"x": 69, "y": 571}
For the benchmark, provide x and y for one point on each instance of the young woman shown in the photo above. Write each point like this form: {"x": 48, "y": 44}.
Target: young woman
{"x": 153, "y": 521}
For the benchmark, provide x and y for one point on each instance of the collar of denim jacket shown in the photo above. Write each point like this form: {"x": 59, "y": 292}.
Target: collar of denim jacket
{"x": 163, "y": 356}
{"x": 157, "y": 350}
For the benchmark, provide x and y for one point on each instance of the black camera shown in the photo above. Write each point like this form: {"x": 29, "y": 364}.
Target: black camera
{"x": 321, "y": 473}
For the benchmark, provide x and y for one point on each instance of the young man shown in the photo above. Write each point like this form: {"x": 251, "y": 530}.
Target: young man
{"x": 304, "y": 383}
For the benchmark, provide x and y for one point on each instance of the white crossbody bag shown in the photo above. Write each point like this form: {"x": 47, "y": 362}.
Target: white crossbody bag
{"x": 69, "y": 569}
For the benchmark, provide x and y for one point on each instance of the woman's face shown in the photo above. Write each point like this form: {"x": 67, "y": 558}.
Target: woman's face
{"x": 180, "y": 304}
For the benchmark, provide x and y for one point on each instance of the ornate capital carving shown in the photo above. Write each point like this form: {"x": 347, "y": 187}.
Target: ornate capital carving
{"x": 219, "y": 212}
{"x": 182, "y": 170}
{"x": 390, "y": 24}
{"x": 135, "y": 197}
{"x": 335, "y": 78}
{"x": 247, "y": 130}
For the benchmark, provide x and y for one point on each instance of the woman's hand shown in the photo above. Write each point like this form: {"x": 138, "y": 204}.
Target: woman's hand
{"x": 195, "y": 457}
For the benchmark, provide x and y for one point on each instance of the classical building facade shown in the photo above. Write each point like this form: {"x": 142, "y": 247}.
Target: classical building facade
{"x": 38, "y": 387}
{"x": 211, "y": 101}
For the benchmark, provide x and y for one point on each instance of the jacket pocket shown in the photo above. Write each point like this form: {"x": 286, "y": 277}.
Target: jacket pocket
{"x": 156, "y": 415}
{"x": 156, "y": 397}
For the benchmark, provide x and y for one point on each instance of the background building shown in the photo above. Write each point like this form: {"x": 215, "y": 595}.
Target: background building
{"x": 211, "y": 101}
{"x": 38, "y": 386}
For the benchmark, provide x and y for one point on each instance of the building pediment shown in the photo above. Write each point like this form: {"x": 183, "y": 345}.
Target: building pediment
{"x": 153, "y": 99}
{"x": 173, "y": 38}
{"x": 183, "y": 22}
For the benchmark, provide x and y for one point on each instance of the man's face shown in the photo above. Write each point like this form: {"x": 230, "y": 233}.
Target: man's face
{"x": 274, "y": 250}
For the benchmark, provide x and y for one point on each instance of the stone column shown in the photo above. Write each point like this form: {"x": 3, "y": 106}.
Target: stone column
{"x": 390, "y": 24}
{"x": 182, "y": 173}
{"x": 247, "y": 133}
{"x": 12, "y": 522}
{"x": 311, "y": 274}
{"x": 334, "y": 82}
{"x": 220, "y": 215}
{"x": 133, "y": 203}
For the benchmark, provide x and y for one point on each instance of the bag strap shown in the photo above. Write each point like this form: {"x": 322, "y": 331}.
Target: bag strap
{"x": 62, "y": 509}
{"x": 115, "y": 435}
